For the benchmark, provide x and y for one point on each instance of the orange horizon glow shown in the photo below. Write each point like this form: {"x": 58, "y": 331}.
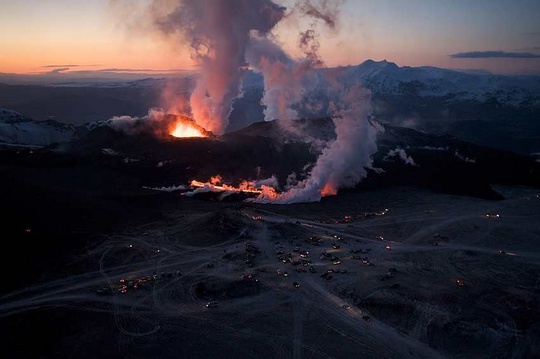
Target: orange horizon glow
{"x": 148, "y": 58}
{"x": 35, "y": 34}
{"x": 38, "y": 34}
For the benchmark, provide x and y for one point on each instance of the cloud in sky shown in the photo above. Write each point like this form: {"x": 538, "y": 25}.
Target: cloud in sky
{"x": 54, "y": 66}
{"x": 62, "y": 69}
{"x": 58, "y": 70}
{"x": 141, "y": 70}
{"x": 494, "y": 55}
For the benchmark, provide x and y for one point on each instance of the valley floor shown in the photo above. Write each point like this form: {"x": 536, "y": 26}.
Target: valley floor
{"x": 393, "y": 273}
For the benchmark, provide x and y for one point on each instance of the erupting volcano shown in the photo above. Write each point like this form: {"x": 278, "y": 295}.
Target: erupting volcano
{"x": 226, "y": 39}
{"x": 183, "y": 126}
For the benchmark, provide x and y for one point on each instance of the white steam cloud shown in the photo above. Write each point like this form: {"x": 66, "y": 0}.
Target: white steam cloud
{"x": 343, "y": 163}
{"x": 402, "y": 155}
{"x": 155, "y": 122}
{"x": 286, "y": 80}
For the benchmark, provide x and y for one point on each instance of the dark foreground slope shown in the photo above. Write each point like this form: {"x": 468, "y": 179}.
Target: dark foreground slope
{"x": 80, "y": 226}
{"x": 402, "y": 302}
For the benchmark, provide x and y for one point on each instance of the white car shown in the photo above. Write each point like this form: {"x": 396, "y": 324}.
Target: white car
{"x": 211, "y": 304}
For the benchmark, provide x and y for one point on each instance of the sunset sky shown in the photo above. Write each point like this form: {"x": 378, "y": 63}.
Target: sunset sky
{"x": 502, "y": 36}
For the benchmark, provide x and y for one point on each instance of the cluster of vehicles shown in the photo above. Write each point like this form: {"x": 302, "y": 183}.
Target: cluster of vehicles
{"x": 299, "y": 259}
{"x": 123, "y": 285}
{"x": 346, "y": 219}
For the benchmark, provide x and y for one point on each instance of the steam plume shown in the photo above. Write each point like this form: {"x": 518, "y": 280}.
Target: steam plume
{"x": 402, "y": 155}
{"x": 343, "y": 163}
{"x": 286, "y": 80}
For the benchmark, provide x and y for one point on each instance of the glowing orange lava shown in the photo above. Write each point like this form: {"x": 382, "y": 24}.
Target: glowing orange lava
{"x": 183, "y": 130}
{"x": 243, "y": 187}
{"x": 328, "y": 190}
{"x": 215, "y": 184}
{"x": 184, "y": 126}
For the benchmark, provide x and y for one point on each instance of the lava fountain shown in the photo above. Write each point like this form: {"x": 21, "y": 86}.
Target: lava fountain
{"x": 183, "y": 127}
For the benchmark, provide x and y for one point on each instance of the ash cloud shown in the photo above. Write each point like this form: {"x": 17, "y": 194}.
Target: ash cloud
{"x": 218, "y": 33}
{"x": 325, "y": 10}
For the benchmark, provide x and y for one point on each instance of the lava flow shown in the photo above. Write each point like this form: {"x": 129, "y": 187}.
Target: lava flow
{"x": 224, "y": 187}
{"x": 260, "y": 188}
{"x": 262, "y": 191}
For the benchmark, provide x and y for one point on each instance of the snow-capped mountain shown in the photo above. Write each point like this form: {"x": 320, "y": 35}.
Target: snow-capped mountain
{"x": 386, "y": 78}
{"x": 17, "y": 129}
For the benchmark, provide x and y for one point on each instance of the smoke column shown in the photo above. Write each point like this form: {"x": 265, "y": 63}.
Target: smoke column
{"x": 218, "y": 33}
{"x": 285, "y": 79}
{"x": 343, "y": 162}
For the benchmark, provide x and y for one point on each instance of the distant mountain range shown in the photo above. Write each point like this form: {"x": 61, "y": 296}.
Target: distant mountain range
{"x": 386, "y": 78}
{"x": 490, "y": 110}
{"x": 382, "y": 77}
